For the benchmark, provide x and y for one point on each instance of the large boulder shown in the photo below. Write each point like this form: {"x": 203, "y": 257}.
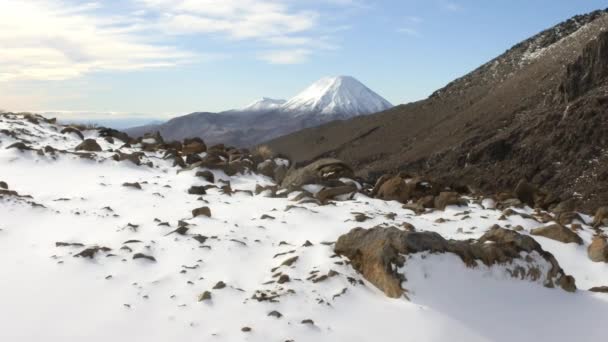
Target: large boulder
{"x": 393, "y": 189}
{"x": 331, "y": 193}
{"x": 559, "y": 233}
{"x": 601, "y": 217}
{"x": 379, "y": 252}
{"x": 448, "y": 198}
{"x": 194, "y": 147}
{"x": 318, "y": 172}
{"x": 525, "y": 192}
{"x": 598, "y": 249}
{"x": 89, "y": 145}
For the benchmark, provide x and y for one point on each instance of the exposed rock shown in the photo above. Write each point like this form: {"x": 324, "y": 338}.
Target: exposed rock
{"x": 525, "y": 192}
{"x": 598, "y": 249}
{"x": 448, "y": 198}
{"x": 394, "y": 189}
{"x": 203, "y": 211}
{"x": 73, "y": 130}
{"x": 3, "y": 185}
{"x": 599, "y": 289}
{"x": 601, "y": 216}
{"x": 378, "y": 251}
{"x": 275, "y": 314}
{"x": 206, "y": 175}
{"x": 204, "y": 296}
{"x": 197, "y": 190}
{"x": 20, "y": 146}
{"x": 559, "y": 233}
{"x": 143, "y": 256}
{"x": 91, "y": 251}
{"x": 134, "y": 185}
{"x": 317, "y": 172}
{"x": 219, "y": 285}
{"x": 134, "y": 157}
{"x": 89, "y": 145}
{"x": 330, "y": 193}
{"x": 194, "y": 147}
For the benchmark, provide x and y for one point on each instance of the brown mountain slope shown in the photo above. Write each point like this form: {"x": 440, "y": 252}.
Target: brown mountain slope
{"x": 539, "y": 112}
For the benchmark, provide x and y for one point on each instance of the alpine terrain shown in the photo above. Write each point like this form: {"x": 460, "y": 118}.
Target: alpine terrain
{"x": 329, "y": 99}
{"x": 183, "y": 241}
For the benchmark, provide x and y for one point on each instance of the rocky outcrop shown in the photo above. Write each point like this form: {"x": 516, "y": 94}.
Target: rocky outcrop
{"x": 589, "y": 70}
{"x": 559, "y": 233}
{"x": 598, "y": 249}
{"x": 89, "y": 145}
{"x": 379, "y": 251}
{"x": 317, "y": 172}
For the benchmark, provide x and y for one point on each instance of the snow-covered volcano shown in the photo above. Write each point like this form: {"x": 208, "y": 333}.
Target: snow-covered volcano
{"x": 265, "y": 103}
{"x": 342, "y": 95}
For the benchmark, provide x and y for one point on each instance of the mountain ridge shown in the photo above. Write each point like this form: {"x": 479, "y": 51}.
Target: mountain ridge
{"x": 331, "y": 98}
{"x": 500, "y": 123}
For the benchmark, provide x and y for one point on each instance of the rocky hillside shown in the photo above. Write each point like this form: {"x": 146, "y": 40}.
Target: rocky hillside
{"x": 108, "y": 238}
{"x": 537, "y": 112}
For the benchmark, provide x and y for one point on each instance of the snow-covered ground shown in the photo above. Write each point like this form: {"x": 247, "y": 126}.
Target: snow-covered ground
{"x": 47, "y": 294}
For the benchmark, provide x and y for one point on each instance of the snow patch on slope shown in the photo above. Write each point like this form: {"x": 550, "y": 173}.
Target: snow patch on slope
{"x": 264, "y": 104}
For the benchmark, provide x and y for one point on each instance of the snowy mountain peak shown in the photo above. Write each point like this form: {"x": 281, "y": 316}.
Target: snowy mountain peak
{"x": 265, "y": 103}
{"x": 342, "y": 95}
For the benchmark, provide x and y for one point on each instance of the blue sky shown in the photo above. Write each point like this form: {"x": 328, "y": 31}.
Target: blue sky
{"x": 160, "y": 58}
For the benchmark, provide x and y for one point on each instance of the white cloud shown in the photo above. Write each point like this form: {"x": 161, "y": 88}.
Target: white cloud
{"x": 238, "y": 19}
{"x": 409, "y": 31}
{"x": 54, "y": 40}
{"x": 63, "y": 39}
{"x": 292, "y": 56}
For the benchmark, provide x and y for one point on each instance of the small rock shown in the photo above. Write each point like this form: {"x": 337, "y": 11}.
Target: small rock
{"x": 135, "y": 185}
{"x": 275, "y": 314}
{"x": 197, "y": 190}
{"x": 220, "y": 285}
{"x": 143, "y": 256}
{"x": 203, "y": 211}
{"x": 204, "y": 296}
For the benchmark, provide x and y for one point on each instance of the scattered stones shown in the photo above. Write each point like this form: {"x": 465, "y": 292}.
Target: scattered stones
{"x": 559, "y": 233}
